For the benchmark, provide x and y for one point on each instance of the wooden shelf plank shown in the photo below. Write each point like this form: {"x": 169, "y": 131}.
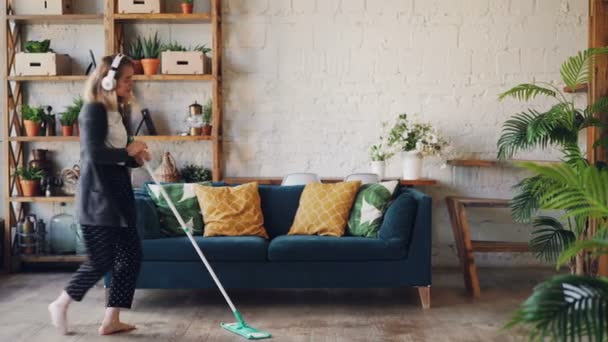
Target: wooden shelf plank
{"x": 53, "y": 258}
{"x": 173, "y": 17}
{"x": 499, "y": 246}
{"x": 153, "y": 78}
{"x": 579, "y": 89}
{"x": 41, "y": 199}
{"x": 140, "y": 138}
{"x": 277, "y": 180}
{"x": 63, "y": 78}
{"x": 57, "y": 19}
{"x": 496, "y": 163}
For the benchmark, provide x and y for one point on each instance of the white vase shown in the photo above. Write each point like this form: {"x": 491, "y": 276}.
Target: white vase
{"x": 378, "y": 168}
{"x": 412, "y": 165}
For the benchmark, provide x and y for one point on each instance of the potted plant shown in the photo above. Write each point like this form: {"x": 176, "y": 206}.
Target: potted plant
{"x": 195, "y": 174}
{"x": 151, "y": 48}
{"x": 136, "y": 53}
{"x": 29, "y": 178}
{"x": 67, "y": 121}
{"x": 207, "y": 116}
{"x": 187, "y": 6}
{"x": 32, "y": 119}
{"x": 415, "y": 140}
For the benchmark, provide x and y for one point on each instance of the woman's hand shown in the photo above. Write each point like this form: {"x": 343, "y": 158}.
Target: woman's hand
{"x": 136, "y": 148}
{"x": 142, "y": 156}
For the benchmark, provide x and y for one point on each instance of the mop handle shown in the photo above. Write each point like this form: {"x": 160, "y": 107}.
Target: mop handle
{"x": 185, "y": 228}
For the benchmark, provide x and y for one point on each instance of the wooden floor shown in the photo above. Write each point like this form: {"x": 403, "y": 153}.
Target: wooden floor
{"x": 290, "y": 315}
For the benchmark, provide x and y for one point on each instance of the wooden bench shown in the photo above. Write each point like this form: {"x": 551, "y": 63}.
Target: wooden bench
{"x": 462, "y": 235}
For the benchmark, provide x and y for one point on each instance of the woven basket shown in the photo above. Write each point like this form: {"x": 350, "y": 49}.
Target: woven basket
{"x": 167, "y": 171}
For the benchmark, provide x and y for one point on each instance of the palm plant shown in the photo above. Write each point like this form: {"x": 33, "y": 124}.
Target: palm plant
{"x": 136, "y": 49}
{"x": 559, "y": 126}
{"x": 572, "y": 307}
{"x": 151, "y": 47}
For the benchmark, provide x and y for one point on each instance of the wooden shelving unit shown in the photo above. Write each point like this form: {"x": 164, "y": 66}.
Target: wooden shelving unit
{"x": 14, "y": 145}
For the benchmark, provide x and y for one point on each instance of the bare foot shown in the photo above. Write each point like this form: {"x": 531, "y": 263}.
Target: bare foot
{"x": 59, "y": 315}
{"x": 114, "y": 328}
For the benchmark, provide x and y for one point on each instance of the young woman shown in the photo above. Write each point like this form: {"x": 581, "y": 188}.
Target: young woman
{"x": 105, "y": 206}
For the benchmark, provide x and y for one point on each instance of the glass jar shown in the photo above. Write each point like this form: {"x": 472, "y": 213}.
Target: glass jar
{"x": 62, "y": 231}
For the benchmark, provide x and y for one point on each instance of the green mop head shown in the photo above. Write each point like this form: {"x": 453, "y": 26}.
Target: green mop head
{"x": 241, "y": 328}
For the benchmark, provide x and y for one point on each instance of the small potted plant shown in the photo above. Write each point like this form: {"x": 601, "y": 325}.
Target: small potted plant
{"x": 207, "y": 115}
{"x": 32, "y": 120}
{"x": 136, "y": 53}
{"x": 67, "y": 121}
{"x": 151, "y": 48}
{"x": 415, "y": 140}
{"x": 187, "y": 6}
{"x": 379, "y": 154}
{"x": 195, "y": 174}
{"x": 29, "y": 178}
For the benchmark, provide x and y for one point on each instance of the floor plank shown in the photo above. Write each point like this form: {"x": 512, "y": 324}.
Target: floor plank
{"x": 302, "y": 315}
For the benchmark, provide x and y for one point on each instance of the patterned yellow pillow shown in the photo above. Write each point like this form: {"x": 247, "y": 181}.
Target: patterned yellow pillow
{"x": 231, "y": 211}
{"x": 324, "y": 208}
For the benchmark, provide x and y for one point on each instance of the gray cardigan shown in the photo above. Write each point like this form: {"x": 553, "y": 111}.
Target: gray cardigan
{"x": 104, "y": 189}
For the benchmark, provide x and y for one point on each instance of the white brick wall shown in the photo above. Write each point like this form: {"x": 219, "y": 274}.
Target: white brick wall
{"x": 308, "y": 82}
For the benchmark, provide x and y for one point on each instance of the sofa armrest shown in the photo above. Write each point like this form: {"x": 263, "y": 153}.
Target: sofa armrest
{"x": 148, "y": 223}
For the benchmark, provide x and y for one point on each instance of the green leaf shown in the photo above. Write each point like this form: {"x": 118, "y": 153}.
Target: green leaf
{"x": 548, "y": 243}
{"x": 566, "y": 308}
{"x": 575, "y": 70}
{"x": 526, "y": 92}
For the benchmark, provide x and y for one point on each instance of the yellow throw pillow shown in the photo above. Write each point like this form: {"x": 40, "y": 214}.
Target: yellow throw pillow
{"x": 231, "y": 211}
{"x": 324, "y": 208}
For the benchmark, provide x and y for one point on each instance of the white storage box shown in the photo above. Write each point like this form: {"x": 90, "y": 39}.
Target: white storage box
{"x": 47, "y": 7}
{"x": 139, "y": 6}
{"x": 42, "y": 64}
{"x": 182, "y": 62}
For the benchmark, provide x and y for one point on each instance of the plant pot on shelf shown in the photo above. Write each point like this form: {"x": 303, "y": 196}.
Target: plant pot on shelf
{"x": 206, "y": 130}
{"x": 67, "y": 131}
{"x": 30, "y": 188}
{"x": 150, "y": 65}
{"x": 187, "y": 8}
{"x": 378, "y": 167}
{"x": 138, "y": 67}
{"x": 32, "y": 128}
{"x": 412, "y": 165}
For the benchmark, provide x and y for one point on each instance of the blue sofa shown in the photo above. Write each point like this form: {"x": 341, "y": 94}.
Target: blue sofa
{"x": 399, "y": 257}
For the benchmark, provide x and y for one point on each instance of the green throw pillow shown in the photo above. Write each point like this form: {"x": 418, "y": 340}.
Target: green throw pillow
{"x": 369, "y": 207}
{"x": 183, "y": 197}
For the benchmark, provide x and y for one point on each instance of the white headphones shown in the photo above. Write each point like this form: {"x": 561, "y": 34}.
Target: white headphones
{"x": 108, "y": 83}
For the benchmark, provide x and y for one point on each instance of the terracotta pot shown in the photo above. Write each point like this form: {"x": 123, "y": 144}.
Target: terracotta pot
{"x": 32, "y": 129}
{"x": 150, "y": 65}
{"x": 137, "y": 67}
{"x": 76, "y": 131}
{"x": 187, "y": 8}
{"x": 67, "y": 131}
{"x": 30, "y": 187}
{"x": 207, "y": 130}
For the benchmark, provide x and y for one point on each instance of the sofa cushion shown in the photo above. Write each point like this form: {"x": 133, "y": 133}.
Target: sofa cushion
{"x": 279, "y": 205}
{"x": 324, "y": 208}
{"x": 331, "y": 248}
{"x": 231, "y": 211}
{"x": 399, "y": 219}
{"x": 225, "y": 248}
{"x": 369, "y": 207}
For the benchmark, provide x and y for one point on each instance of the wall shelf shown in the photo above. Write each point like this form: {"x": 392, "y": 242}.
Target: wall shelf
{"x": 278, "y": 180}
{"x": 53, "y": 258}
{"x": 42, "y": 199}
{"x": 64, "y": 78}
{"x": 171, "y": 17}
{"x": 139, "y": 137}
{"x": 57, "y": 19}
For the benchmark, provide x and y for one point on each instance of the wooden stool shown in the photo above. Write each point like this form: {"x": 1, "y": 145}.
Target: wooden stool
{"x": 466, "y": 246}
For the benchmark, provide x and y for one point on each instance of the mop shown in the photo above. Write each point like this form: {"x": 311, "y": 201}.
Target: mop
{"x": 240, "y": 327}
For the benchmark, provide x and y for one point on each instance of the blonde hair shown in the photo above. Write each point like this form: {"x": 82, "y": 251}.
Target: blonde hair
{"x": 94, "y": 92}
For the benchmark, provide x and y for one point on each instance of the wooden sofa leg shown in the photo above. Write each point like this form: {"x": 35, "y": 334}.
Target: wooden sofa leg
{"x": 425, "y": 296}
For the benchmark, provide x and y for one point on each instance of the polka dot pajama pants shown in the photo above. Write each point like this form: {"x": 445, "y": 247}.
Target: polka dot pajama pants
{"x": 115, "y": 249}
